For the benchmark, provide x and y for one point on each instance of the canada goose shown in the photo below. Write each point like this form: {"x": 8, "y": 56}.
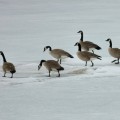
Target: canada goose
{"x": 114, "y": 52}
{"x": 86, "y": 56}
{"x": 58, "y": 53}
{"x": 51, "y": 65}
{"x": 7, "y": 66}
{"x": 87, "y": 45}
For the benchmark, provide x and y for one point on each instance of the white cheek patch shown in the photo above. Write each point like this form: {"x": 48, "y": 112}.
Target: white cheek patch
{"x": 44, "y": 63}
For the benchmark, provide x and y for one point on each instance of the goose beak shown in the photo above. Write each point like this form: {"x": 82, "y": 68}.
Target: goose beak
{"x": 44, "y": 50}
{"x": 76, "y": 44}
{"x": 39, "y": 67}
{"x": 79, "y": 31}
{"x": 107, "y": 40}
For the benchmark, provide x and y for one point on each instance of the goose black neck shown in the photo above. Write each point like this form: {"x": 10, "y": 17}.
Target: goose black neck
{"x": 79, "y": 47}
{"x": 49, "y": 48}
{"x": 81, "y": 36}
{"x": 110, "y": 43}
{"x": 4, "y": 59}
{"x": 42, "y": 62}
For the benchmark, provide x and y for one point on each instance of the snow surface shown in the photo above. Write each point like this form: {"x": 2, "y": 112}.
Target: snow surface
{"x": 81, "y": 93}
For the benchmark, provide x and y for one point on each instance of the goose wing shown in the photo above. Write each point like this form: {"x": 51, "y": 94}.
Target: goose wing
{"x": 61, "y": 52}
{"x": 8, "y": 66}
{"x": 92, "y": 55}
{"x": 116, "y": 50}
{"x": 91, "y": 45}
{"x": 52, "y": 64}
{"x": 83, "y": 55}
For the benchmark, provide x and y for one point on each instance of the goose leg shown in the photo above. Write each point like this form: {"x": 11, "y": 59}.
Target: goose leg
{"x": 60, "y": 61}
{"x": 58, "y": 74}
{"x": 114, "y": 61}
{"x": 92, "y": 64}
{"x": 118, "y": 61}
{"x": 12, "y": 75}
{"x": 49, "y": 74}
{"x": 86, "y": 63}
{"x": 4, "y": 74}
{"x": 93, "y": 51}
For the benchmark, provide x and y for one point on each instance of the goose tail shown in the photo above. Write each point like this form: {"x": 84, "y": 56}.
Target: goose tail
{"x": 61, "y": 68}
{"x": 70, "y": 56}
{"x": 98, "y": 48}
{"x": 99, "y": 57}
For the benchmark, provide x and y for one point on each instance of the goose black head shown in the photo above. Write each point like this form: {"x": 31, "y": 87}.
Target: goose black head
{"x": 76, "y": 44}
{"x": 108, "y": 39}
{"x": 80, "y": 31}
{"x": 1, "y": 52}
{"x": 40, "y": 65}
{"x": 46, "y": 47}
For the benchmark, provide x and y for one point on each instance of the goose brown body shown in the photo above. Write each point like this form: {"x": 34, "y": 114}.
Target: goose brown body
{"x": 114, "y": 52}
{"x": 86, "y": 56}
{"x": 7, "y": 66}
{"x": 58, "y": 53}
{"x": 51, "y": 65}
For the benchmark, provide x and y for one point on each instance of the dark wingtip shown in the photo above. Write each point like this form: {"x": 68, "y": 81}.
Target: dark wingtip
{"x": 99, "y": 57}
{"x": 98, "y": 48}
{"x": 13, "y": 71}
{"x": 61, "y": 68}
{"x": 70, "y": 56}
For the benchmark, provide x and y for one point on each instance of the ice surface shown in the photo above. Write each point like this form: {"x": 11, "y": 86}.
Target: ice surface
{"x": 81, "y": 93}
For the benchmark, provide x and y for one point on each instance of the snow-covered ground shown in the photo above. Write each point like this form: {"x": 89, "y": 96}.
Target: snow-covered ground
{"x": 81, "y": 93}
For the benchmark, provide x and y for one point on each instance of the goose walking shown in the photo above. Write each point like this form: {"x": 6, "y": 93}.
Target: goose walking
{"x": 86, "y": 56}
{"x": 7, "y": 66}
{"x": 51, "y": 65}
{"x": 114, "y": 52}
{"x": 58, "y": 53}
{"x": 87, "y": 45}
